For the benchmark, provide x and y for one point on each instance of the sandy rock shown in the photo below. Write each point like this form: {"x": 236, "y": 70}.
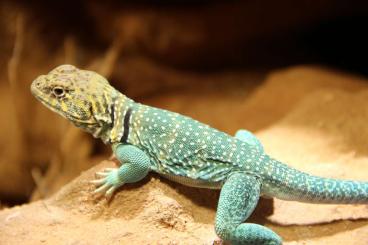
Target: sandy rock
{"x": 323, "y": 132}
{"x": 283, "y": 89}
{"x": 326, "y": 135}
{"x": 143, "y": 213}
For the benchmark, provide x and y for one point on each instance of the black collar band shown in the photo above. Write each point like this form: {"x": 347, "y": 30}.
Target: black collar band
{"x": 124, "y": 138}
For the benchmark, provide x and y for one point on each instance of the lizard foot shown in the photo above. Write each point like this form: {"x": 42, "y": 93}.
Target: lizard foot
{"x": 107, "y": 181}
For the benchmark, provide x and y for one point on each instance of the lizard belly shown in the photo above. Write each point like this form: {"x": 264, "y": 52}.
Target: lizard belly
{"x": 192, "y": 182}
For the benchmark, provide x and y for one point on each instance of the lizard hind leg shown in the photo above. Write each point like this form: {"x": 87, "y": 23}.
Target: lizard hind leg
{"x": 239, "y": 196}
{"x": 248, "y": 137}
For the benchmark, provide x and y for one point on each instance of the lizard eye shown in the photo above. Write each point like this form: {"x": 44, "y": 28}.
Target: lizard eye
{"x": 58, "y": 92}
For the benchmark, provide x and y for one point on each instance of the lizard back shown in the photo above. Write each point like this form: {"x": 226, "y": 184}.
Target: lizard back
{"x": 182, "y": 146}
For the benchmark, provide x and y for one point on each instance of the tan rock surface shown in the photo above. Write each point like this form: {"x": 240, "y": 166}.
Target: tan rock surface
{"x": 150, "y": 212}
{"x": 321, "y": 131}
{"x": 326, "y": 135}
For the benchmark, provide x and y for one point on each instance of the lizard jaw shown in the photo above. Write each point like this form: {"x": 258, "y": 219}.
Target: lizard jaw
{"x": 39, "y": 95}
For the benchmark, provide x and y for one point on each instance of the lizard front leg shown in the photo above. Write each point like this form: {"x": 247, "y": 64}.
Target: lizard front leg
{"x": 135, "y": 166}
{"x": 239, "y": 196}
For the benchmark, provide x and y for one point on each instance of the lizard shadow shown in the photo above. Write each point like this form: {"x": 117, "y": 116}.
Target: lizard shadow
{"x": 313, "y": 231}
{"x": 205, "y": 201}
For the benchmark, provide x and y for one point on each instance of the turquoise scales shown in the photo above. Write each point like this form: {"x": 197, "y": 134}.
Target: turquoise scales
{"x": 184, "y": 150}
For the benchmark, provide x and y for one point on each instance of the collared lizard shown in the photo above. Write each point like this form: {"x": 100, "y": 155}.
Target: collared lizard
{"x": 145, "y": 139}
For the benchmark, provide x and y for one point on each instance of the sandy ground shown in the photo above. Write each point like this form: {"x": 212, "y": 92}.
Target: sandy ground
{"x": 312, "y": 118}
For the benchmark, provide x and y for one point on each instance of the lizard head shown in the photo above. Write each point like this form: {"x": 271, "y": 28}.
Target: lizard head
{"x": 83, "y": 97}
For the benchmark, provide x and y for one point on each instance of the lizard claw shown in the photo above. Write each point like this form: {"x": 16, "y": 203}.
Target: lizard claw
{"x": 108, "y": 182}
{"x": 107, "y": 170}
{"x": 110, "y": 192}
{"x": 97, "y": 182}
{"x": 101, "y": 174}
{"x": 101, "y": 189}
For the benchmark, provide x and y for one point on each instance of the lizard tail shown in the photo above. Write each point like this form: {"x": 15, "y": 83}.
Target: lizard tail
{"x": 284, "y": 182}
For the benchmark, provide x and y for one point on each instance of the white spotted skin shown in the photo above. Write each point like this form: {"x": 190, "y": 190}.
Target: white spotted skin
{"x": 194, "y": 154}
{"x": 181, "y": 146}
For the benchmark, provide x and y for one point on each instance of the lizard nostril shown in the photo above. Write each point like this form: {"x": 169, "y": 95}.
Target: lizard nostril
{"x": 36, "y": 84}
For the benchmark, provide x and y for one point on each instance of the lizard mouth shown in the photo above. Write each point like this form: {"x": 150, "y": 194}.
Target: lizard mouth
{"x": 39, "y": 95}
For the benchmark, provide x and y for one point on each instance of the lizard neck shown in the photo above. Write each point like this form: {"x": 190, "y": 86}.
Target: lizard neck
{"x": 120, "y": 114}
